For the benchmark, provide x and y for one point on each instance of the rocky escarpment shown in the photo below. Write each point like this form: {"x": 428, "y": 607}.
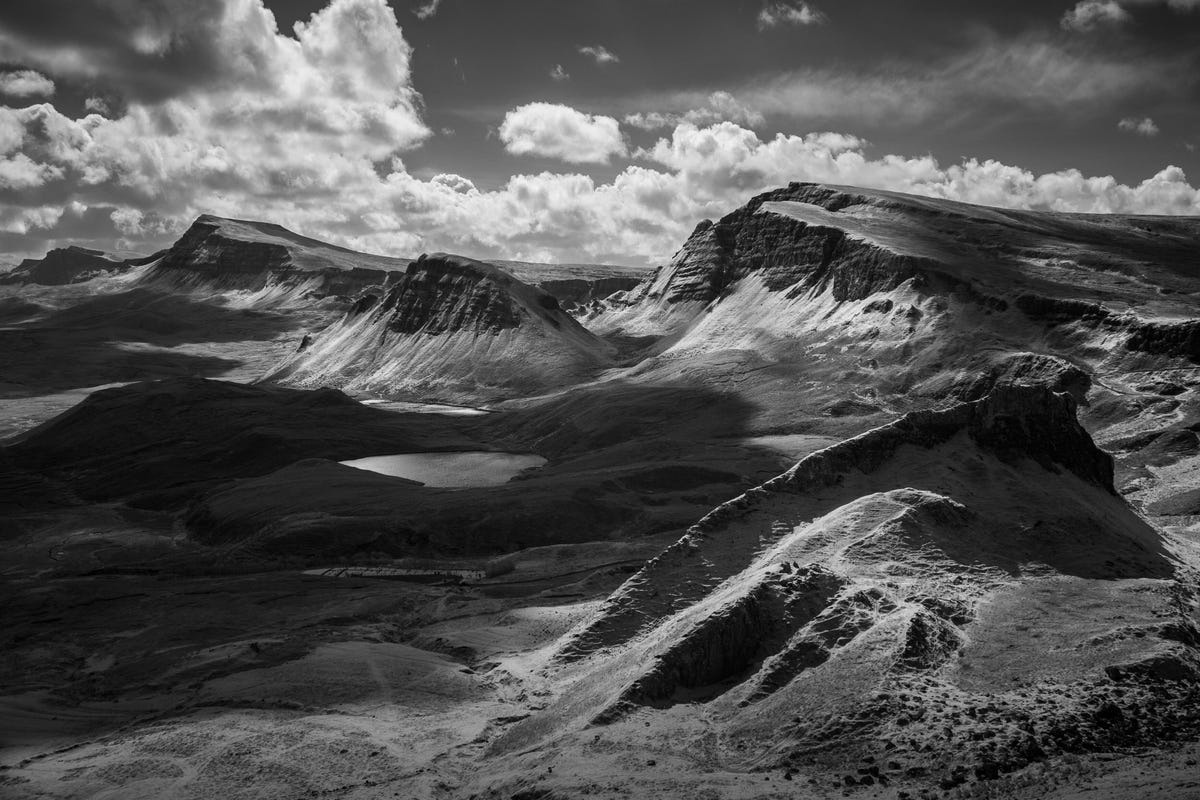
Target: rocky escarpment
{"x": 579, "y": 294}
{"x": 835, "y": 245}
{"x": 217, "y": 254}
{"x": 1177, "y": 338}
{"x": 1014, "y": 421}
{"x": 786, "y": 254}
{"x": 454, "y": 329}
{"x": 1053, "y": 372}
{"x": 446, "y": 295}
{"x": 280, "y": 266}
{"x": 1017, "y": 424}
{"x": 68, "y": 265}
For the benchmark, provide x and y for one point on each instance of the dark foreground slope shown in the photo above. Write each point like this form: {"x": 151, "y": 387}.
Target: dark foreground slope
{"x": 69, "y": 265}
{"x": 156, "y": 444}
{"x": 254, "y": 468}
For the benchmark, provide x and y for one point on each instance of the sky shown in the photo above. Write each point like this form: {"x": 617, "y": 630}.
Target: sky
{"x": 575, "y": 130}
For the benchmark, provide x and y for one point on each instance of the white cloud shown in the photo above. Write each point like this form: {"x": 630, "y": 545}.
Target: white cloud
{"x": 1091, "y": 14}
{"x": 306, "y": 111}
{"x": 601, "y": 54}
{"x": 559, "y": 74}
{"x": 1032, "y": 72}
{"x": 456, "y": 183}
{"x": 97, "y": 105}
{"x": 427, "y": 10}
{"x": 305, "y": 131}
{"x": 25, "y": 83}
{"x": 776, "y": 14}
{"x": 558, "y": 131}
{"x": 21, "y": 172}
{"x": 1143, "y": 127}
{"x": 719, "y": 107}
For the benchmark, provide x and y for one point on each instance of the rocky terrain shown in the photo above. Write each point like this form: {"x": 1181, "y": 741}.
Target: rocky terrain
{"x": 452, "y": 329}
{"x": 860, "y": 494}
{"x": 845, "y": 607}
{"x": 268, "y": 265}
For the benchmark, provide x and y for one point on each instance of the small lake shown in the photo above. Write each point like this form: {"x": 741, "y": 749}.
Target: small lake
{"x": 450, "y": 469}
{"x": 410, "y": 407}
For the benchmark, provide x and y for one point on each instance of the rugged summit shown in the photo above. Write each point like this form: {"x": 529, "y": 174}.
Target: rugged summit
{"x": 450, "y": 328}
{"x": 273, "y": 264}
{"x": 877, "y": 303}
{"x": 855, "y": 243}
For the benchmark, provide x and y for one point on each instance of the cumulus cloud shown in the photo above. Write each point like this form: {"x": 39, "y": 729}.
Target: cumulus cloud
{"x": 558, "y": 131}
{"x": 776, "y": 14}
{"x": 25, "y": 83}
{"x": 1143, "y": 127}
{"x": 719, "y": 107}
{"x": 599, "y": 53}
{"x": 427, "y": 10}
{"x": 559, "y": 74}
{"x": 294, "y": 116}
{"x": 311, "y": 138}
{"x": 1089, "y": 15}
{"x": 97, "y": 105}
{"x": 647, "y": 209}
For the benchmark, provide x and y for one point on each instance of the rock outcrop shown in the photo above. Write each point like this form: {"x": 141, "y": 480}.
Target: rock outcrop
{"x": 267, "y": 261}
{"x": 453, "y": 329}
{"x": 276, "y": 266}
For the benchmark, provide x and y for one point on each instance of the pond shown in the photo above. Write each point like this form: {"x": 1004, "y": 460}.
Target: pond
{"x": 450, "y": 469}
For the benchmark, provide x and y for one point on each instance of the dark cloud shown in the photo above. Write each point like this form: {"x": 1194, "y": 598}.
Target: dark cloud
{"x": 146, "y": 50}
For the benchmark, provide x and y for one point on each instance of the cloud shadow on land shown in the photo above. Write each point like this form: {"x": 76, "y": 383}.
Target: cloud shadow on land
{"x": 624, "y": 461}
{"x": 120, "y": 338}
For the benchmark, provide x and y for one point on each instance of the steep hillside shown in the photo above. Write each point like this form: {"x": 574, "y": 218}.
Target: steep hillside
{"x": 941, "y": 600}
{"x": 835, "y": 308}
{"x": 268, "y": 263}
{"x": 450, "y": 328}
{"x": 892, "y": 290}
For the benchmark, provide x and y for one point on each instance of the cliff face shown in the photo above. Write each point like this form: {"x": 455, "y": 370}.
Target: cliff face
{"x": 280, "y": 267}
{"x": 454, "y": 329}
{"x": 837, "y": 303}
{"x": 787, "y": 255}
{"x": 851, "y": 244}
{"x": 445, "y": 295}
